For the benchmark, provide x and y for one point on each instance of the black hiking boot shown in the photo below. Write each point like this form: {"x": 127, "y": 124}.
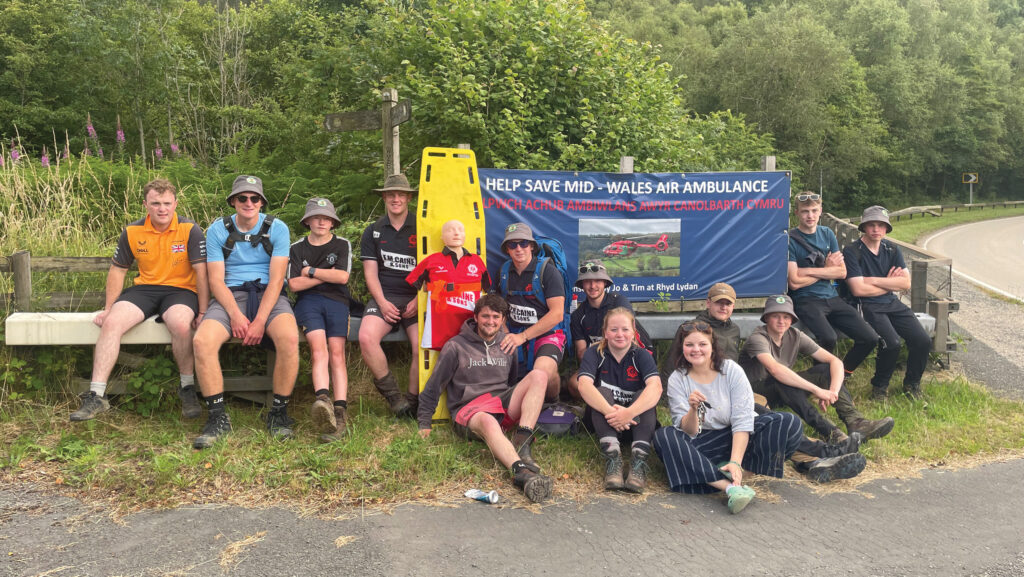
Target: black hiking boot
{"x": 92, "y": 405}
{"x": 217, "y": 425}
{"x": 522, "y": 441}
{"x": 845, "y": 466}
{"x": 535, "y": 486}
{"x": 850, "y": 445}
{"x": 190, "y": 407}
{"x": 279, "y": 424}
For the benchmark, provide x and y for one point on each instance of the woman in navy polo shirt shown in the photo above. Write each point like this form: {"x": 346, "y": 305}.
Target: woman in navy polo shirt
{"x": 620, "y": 383}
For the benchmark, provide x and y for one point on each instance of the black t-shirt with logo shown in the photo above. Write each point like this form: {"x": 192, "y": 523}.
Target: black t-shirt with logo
{"x": 395, "y": 253}
{"x": 526, "y": 309}
{"x": 625, "y": 379}
{"x": 334, "y": 254}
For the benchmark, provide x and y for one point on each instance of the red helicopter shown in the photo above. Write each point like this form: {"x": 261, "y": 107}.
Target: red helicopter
{"x": 628, "y": 246}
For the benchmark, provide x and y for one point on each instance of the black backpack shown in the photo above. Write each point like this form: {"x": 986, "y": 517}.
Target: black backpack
{"x": 260, "y": 238}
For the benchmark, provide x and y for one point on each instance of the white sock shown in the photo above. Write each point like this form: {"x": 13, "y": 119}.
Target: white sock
{"x": 99, "y": 388}
{"x": 188, "y": 381}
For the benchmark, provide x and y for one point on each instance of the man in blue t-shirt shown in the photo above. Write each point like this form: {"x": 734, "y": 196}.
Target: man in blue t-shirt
{"x": 875, "y": 272}
{"x": 814, "y": 264}
{"x": 247, "y": 257}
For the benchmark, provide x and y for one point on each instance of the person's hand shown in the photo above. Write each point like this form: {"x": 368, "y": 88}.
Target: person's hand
{"x": 735, "y": 470}
{"x": 619, "y": 418}
{"x": 511, "y": 342}
{"x": 100, "y": 317}
{"x": 822, "y": 405}
{"x": 390, "y": 312}
{"x": 825, "y": 395}
{"x": 199, "y": 319}
{"x": 896, "y": 272}
{"x": 695, "y": 399}
{"x": 834, "y": 259}
{"x": 254, "y": 334}
{"x": 424, "y": 433}
{"x": 239, "y": 325}
{"x": 410, "y": 309}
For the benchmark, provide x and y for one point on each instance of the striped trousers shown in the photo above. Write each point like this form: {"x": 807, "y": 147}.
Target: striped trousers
{"x": 692, "y": 463}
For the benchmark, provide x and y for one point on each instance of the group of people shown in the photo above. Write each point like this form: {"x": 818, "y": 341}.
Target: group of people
{"x": 501, "y": 344}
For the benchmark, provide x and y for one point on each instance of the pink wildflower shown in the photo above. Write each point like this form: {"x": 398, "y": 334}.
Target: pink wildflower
{"x": 45, "y": 158}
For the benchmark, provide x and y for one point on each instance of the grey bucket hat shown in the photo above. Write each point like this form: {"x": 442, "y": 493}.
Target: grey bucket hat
{"x": 247, "y": 183}
{"x": 875, "y": 214}
{"x": 517, "y": 231}
{"x": 779, "y": 304}
{"x": 593, "y": 269}
{"x": 320, "y": 207}
{"x": 396, "y": 182}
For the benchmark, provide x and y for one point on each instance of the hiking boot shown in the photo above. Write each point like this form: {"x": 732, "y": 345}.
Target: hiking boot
{"x": 913, "y": 392}
{"x": 388, "y": 388}
{"x": 879, "y": 394}
{"x": 522, "y": 441}
{"x": 217, "y": 425}
{"x": 340, "y": 430}
{"x": 535, "y": 486}
{"x": 613, "y": 470}
{"x": 871, "y": 428}
{"x": 279, "y": 424}
{"x": 414, "y": 405}
{"x": 92, "y": 405}
{"x": 638, "y": 469}
{"x": 845, "y": 466}
{"x": 190, "y": 407}
{"x": 322, "y": 414}
{"x": 739, "y": 498}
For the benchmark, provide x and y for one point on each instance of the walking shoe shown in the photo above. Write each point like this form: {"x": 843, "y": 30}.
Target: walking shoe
{"x": 845, "y": 466}
{"x": 613, "y": 470}
{"x": 340, "y": 430}
{"x": 913, "y": 392}
{"x": 279, "y": 424}
{"x": 322, "y": 414}
{"x": 739, "y": 498}
{"x": 414, "y": 405}
{"x": 388, "y": 388}
{"x": 850, "y": 445}
{"x": 217, "y": 425}
{"x": 879, "y": 394}
{"x": 190, "y": 407}
{"x": 837, "y": 437}
{"x": 522, "y": 441}
{"x": 871, "y": 428}
{"x": 638, "y": 469}
{"x": 535, "y": 486}
{"x": 92, "y": 405}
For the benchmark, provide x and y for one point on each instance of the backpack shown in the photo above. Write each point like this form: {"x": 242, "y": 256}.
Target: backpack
{"x": 260, "y": 238}
{"x": 550, "y": 250}
{"x": 558, "y": 419}
{"x": 815, "y": 258}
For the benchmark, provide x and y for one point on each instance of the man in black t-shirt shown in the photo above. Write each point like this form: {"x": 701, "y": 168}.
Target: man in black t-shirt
{"x": 388, "y": 252}
{"x": 875, "y": 272}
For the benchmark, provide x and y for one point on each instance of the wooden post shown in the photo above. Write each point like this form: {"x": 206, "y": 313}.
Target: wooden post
{"x": 392, "y": 158}
{"x": 919, "y": 286}
{"x": 940, "y": 310}
{"x": 21, "y": 267}
{"x": 626, "y": 164}
{"x": 768, "y": 163}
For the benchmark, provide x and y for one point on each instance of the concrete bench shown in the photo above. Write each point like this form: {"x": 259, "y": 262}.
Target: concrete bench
{"x": 663, "y": 326}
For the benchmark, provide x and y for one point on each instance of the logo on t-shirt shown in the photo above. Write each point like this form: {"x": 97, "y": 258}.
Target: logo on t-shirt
{"x": 522, "y": 315}
{"x": 178, "y": 247}
{"x": 395, "y": 261}
{"x": 472, "y": 269}
{"x": 412, "y": 240}
{"x": 332, "y": 258}
{"x": 632, "y": 373}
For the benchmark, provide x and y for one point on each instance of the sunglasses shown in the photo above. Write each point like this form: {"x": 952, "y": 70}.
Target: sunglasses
{"x": 517, "y": 244}
{"x": 699, "y": 326}
{"x": 244, "y": 198}
{"x": 591, "y": 267}
{"x": 808, "y": 196}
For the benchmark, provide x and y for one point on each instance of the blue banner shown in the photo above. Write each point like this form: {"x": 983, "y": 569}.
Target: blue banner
{"x": 661, "y": 236}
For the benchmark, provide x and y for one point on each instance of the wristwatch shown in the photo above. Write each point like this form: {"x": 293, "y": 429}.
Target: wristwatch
{"x": 311, "y": 272}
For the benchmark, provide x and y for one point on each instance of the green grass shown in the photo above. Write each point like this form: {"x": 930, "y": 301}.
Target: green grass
{"x": 912, "y": 230}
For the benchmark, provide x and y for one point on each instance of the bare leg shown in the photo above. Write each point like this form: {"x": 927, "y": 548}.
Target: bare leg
{"x": 318, "y": 352}
{"x": 487, "y": 428}
{"x": 372, "y": 331}
{"x": 285, "y": 334}
{"x": 339, "y": 372}
{"x": 554, "y": 381}
{"x": 209, "y": 338}
{"x": 528, "y": 398}
{"x": 178, "y": 320}
{"x": 122, "y": 316}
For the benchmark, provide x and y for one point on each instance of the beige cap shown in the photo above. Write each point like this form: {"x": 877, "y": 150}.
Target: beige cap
{"x": 721, "y": 290}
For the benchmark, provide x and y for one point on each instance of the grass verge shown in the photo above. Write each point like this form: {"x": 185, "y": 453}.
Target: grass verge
{"x": 919, "y": 226}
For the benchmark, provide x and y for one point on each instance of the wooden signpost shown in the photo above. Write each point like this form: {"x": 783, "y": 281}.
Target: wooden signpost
{"x": 392, "y": 113}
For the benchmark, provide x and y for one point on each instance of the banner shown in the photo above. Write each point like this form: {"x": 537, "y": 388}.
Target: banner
{"x": 661, "y": 236}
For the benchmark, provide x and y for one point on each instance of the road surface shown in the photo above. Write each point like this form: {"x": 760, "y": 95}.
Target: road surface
{"x": 990, "y": 253}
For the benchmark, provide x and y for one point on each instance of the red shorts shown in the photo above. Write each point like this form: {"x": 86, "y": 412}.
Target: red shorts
{"x": 491, "y": 404}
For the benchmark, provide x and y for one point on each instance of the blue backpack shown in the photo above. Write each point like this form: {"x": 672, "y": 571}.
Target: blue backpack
{"x": 550, "y": 250}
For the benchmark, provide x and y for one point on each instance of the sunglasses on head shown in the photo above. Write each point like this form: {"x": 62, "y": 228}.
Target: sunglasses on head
{"x": 699, "y": 326}
{"x": 808, "y": 196}
{"x": 244, "y": 198}
{"x": 591, "y": 267}
{"x": 517, "y": 244}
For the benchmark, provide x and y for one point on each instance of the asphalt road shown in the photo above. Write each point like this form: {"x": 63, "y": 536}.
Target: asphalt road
{"x": 989, "y": 253}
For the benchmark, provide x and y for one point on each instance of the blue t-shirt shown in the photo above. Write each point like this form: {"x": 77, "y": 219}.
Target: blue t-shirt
{"x": 825, "y": 241}
{"x": 862, "y": 262}
{"x": 246, "y": 262}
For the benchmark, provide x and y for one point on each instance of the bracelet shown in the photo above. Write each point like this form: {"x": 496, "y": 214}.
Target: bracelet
{"x": 735, "y": 463}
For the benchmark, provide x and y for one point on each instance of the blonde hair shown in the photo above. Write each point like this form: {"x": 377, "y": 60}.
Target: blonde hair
{"x": 617, "y": 311}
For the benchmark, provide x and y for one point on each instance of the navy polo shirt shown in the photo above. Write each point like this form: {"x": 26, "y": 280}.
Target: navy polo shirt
{"x": 395, "y": 253}
{"x": 626, "y": 379}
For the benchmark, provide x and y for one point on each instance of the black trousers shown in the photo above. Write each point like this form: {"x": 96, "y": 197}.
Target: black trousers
{"x": 823, "y": 316}
{"x": 642, "y": 432}
{"x": 800, "y": 401}
{"x": 892, "y": 321}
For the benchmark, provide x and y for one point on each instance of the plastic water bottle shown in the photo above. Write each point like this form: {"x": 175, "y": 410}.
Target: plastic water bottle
{"x": 484, "y": 497}
{"x": 574, "y": 304}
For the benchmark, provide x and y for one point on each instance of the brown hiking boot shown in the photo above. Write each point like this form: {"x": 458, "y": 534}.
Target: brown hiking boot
{"x": 388, "y": 388}
{"x": 322, "y": 414}
{"x": 613, "y": 469}
{"x": 522, "y": 441}
{"x": 340, "y": 430}
{"x": 414, "y": 405}
{"x": 871, "y": 428}
{"x": 638, "y": 469}
{"x": 535, "y": 486}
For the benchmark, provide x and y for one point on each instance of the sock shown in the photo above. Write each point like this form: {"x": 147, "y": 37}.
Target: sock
{"x": 188, "y": 381}
{"x": 99, "y": 388}
{"x": 342, "y": 403}
{"x": 609, "y": 444}
{"x": 320, "y": 392}
{"x": 280, "y": 402}
{"x": 642, "y": 447}
{"x": 730, "y": 489}
{"x": 215, "y": 404}
{"x": 517, "y": 466}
